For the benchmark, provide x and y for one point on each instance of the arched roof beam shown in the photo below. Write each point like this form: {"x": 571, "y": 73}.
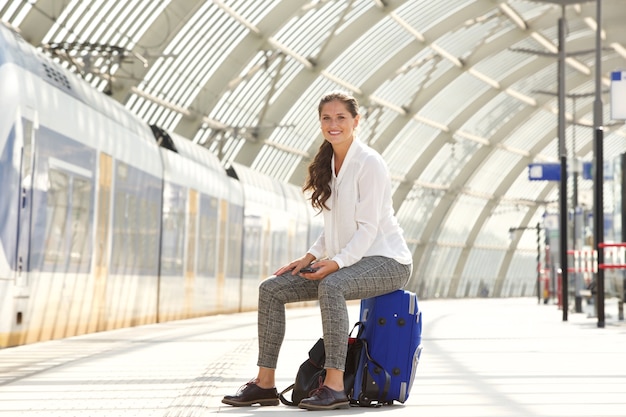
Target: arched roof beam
{"x": 222, "y": 80}
{"x": 332, "y": 49}
{"x": 456, "y": 188}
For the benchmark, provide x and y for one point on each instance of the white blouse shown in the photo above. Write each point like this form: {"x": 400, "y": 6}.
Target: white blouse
{"x": 360, "y": 220}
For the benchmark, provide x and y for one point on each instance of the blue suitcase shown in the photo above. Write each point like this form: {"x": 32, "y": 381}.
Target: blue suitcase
{"x": 392, "y": 334}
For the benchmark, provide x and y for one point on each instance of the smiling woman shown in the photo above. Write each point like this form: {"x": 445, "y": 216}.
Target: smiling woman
{"x": 360, "y": 253}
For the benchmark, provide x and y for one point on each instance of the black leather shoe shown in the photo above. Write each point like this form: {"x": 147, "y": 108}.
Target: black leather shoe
{"x": 250, "y": 394}
{"x": 325, "y": 398}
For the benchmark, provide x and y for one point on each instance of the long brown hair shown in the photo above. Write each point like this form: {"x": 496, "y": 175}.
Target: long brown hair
{"x": 320, "y": 172}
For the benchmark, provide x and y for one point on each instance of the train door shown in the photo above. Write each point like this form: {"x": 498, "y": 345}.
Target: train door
{"x": 29, "y": 128}
{"x": 190, "y": 263}
{"x": 97, "y": 321}
{"x": 221, "y": 254}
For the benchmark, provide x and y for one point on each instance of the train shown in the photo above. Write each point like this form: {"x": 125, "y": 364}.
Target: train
{"x": 108, "y": 222}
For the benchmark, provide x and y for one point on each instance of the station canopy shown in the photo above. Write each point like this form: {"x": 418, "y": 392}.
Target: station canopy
{"x": 458, "y": 96}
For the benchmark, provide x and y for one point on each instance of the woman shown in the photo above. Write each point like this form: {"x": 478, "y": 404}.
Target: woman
{"x": 361, "y": 253}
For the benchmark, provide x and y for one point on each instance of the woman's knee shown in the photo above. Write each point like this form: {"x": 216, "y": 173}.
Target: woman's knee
{"x": 276, "y": 288}
{"x": 268, "y": 288}
{"x": 330, "y": 287}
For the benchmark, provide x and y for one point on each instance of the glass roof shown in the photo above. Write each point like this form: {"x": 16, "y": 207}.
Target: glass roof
{"x": 459, "y": 97}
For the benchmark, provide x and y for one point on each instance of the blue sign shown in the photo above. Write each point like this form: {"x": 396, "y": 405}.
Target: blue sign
{"x": 607, "y": 170}
{"x": 587, "y": 170}
{"x": 544, "y": 172}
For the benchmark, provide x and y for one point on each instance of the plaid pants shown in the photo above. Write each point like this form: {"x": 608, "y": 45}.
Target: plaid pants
{"x": 369, "y": 277}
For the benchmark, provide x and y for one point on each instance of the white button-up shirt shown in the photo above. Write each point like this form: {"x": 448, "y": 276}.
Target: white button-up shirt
{"x": 360, "y": 220}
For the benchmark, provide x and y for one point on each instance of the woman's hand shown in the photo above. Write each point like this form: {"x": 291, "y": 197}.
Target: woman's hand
{"x": 322, "y": 268}
{"x": 296, "y": 265}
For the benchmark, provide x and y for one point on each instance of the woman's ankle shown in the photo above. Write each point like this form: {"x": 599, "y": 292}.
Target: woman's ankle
{"x": 265, "y": 379}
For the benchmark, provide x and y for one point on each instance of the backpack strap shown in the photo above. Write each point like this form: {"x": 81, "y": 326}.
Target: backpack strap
{"x": 284, "y": 399}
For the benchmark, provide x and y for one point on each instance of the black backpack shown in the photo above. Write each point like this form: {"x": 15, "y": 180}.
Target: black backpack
{"x": 311, "y": 373}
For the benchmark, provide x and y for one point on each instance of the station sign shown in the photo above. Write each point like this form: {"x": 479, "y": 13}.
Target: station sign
{"x": 607, "y": 170}
{"x": 551, "y": 171}
{"x": 544, "y": 171}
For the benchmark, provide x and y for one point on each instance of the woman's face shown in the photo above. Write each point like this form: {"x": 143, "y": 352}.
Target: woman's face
{"x": 337, "y": 123}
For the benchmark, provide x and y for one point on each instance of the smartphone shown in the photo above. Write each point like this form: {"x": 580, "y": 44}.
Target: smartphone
{"x": 308, "y": 270}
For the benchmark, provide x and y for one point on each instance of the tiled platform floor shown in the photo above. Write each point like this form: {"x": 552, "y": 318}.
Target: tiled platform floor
{"x": 482, "y": 357}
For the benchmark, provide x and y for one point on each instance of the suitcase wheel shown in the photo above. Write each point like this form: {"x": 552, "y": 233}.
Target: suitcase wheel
{"x": 363, "y": 400}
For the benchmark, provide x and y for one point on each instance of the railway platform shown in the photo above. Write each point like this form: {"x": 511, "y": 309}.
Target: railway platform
{"x": 482, "y": 357}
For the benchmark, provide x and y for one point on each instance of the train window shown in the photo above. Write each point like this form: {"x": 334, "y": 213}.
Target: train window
{"x": 135, "y": 222}
{"x": 207, "y": 237}
{"x": 173, "y": 231}
{"x": 119, "y": 249}
{"x": 148, "y": 221}
{"x": 191, "y": 243}
{"x": 132, "y": 225}
{"x": 79, "y": 235}
{"x": 235, "y": 234}
{"x": 56, "y": 219}
{"x": 127, "y": 252}
{"x": 151, "y": 233}
{"x": 252, "y": 248}
{"x": 27, "y": 161}
{"x": 144, "y": 252}
{"x": 222, "y": 231}
{"x": 192, "y": 233}
{"x": 279, "y": 249}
